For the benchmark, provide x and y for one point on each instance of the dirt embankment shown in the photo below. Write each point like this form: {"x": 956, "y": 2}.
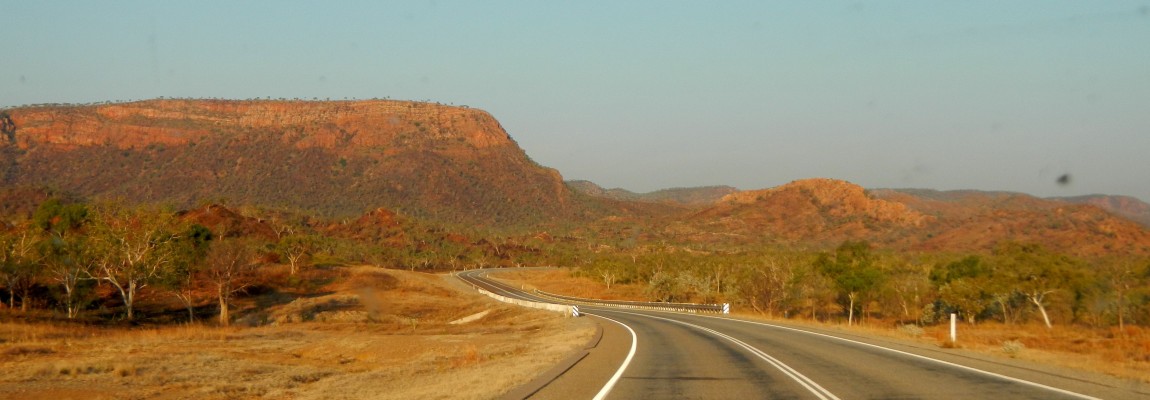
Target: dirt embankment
{"x": 376, "y": 334}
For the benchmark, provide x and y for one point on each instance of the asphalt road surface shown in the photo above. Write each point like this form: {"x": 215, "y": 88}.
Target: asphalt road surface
{"x": 662, "y": 355}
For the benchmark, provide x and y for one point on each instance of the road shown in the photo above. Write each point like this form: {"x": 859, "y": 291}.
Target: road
{"x": 689, "y": 356}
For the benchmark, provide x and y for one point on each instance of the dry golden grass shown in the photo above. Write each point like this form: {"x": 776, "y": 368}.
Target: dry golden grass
{"x": 561, "y": 281}
{"x": 1123, "y": 354}
{"x": 378, "y": 334}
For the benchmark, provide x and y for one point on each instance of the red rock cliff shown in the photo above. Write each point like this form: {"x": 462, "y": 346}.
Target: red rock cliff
{"x": 335, "y": 157}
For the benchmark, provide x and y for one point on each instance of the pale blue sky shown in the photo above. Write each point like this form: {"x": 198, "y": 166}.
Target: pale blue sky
{"x": 645, "y": 95}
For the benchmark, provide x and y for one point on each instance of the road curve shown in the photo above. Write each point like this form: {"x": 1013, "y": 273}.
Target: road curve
{"x": 681, "y": 356}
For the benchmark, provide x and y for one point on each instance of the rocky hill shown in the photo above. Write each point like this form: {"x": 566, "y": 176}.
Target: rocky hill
{"x": 336, "y": 158}
{"x": 818, "y": 211}
{"x": 825, "y": 212}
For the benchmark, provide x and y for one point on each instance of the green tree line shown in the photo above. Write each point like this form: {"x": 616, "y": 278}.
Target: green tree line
{"x": 61, "y": 256}
{"x": 62, "y": 253}
{"x": 1015, "y": 283}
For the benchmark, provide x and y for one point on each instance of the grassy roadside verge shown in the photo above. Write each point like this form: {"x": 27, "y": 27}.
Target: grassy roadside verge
{"x": 373, "y": 333}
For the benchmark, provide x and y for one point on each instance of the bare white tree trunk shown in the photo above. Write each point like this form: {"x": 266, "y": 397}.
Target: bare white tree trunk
{"x": 1038, "y": 298}
{"x": 851, "y": 312}
{"x": 608, "y": 278}
{"x": 69, "y": 277}
{"x": 224, "y": 294}
{"x": 189, "y": 304}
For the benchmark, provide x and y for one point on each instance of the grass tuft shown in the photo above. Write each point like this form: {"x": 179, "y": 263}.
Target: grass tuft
{"x": 1012, "y": 348}
{"x": 911, "y": 330}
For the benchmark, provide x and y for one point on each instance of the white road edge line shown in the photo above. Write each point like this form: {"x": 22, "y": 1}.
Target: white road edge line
{"x": 912, "y": 355}
{"x": 626, "y": 362}
{"x": 803, "y": 380}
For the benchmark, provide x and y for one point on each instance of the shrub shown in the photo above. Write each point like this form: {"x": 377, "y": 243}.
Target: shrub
{"x": 1012, "y": 347}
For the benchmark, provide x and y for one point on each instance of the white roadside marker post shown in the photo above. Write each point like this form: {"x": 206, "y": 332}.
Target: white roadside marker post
{"x": 953, "y": 330}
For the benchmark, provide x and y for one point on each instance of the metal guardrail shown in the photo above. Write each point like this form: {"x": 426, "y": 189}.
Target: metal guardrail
{"x": 561, "y": 308}
{"x": 724, "y": 308}
{"x": 568, "y": 304}
{"x": 570, "y": 310}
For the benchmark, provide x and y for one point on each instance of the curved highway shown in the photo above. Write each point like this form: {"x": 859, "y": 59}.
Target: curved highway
{"x": 689, "y": 356}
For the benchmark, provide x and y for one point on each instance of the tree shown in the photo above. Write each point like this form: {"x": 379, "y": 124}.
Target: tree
{"x": 814, "y": 294}
{"x": 18, "y": 265}
{"x": 135, "y": 247}
{"x": 966, "y": 298}
{"x": 62, "y": 252}
{"x": 54, "y": 216}
{"x": 1121, "y": 278}
{"x": 1036, "y": 274}
{"x": 230, "y": 270}
{"x": 191, "y": 250}
{"x": 698, "y": 283}
{"x": 772, "y": 282}
{"x": 68, "y": 261}
{"x": 662, "y": 287}
{"x": 962, "y": 286}
{"x": 906, "y": 285}
{"x": 608, "y": 276}
{"x": 297, "y": 247}
{"x": 853, "y": 271}
{"x": 719, "y": 272}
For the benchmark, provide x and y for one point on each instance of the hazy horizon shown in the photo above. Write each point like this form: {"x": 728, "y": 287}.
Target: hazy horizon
{"x": 653, "y": 95}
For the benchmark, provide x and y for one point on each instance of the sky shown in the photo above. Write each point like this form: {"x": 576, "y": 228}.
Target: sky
{"x": 645, "y": 95}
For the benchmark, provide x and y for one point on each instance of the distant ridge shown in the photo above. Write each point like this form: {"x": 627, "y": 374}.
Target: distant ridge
{"x": 1125, "y": 206}
{"x": 690, "y": 196}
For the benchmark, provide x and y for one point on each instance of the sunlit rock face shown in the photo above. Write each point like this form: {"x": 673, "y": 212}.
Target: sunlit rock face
{"x": 337, "y": 158}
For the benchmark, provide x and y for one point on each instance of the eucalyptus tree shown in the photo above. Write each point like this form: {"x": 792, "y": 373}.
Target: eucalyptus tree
{"x": 773, "y": 281}
{"x": 61, "y": 251}
{"x": 1123, "y": 278}
{"x": 962, "y": 286}
{"x": 1039, "y": 275}
{"x": 907, "y": 285}
{"x": 135, "y": 246}
{"x": 18, "y": 264}
{"x": 297, "y": 247}
{"x": 854, "y": 271}
{"x": 229, "y": 268}
{"x": 183, "y": 275}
